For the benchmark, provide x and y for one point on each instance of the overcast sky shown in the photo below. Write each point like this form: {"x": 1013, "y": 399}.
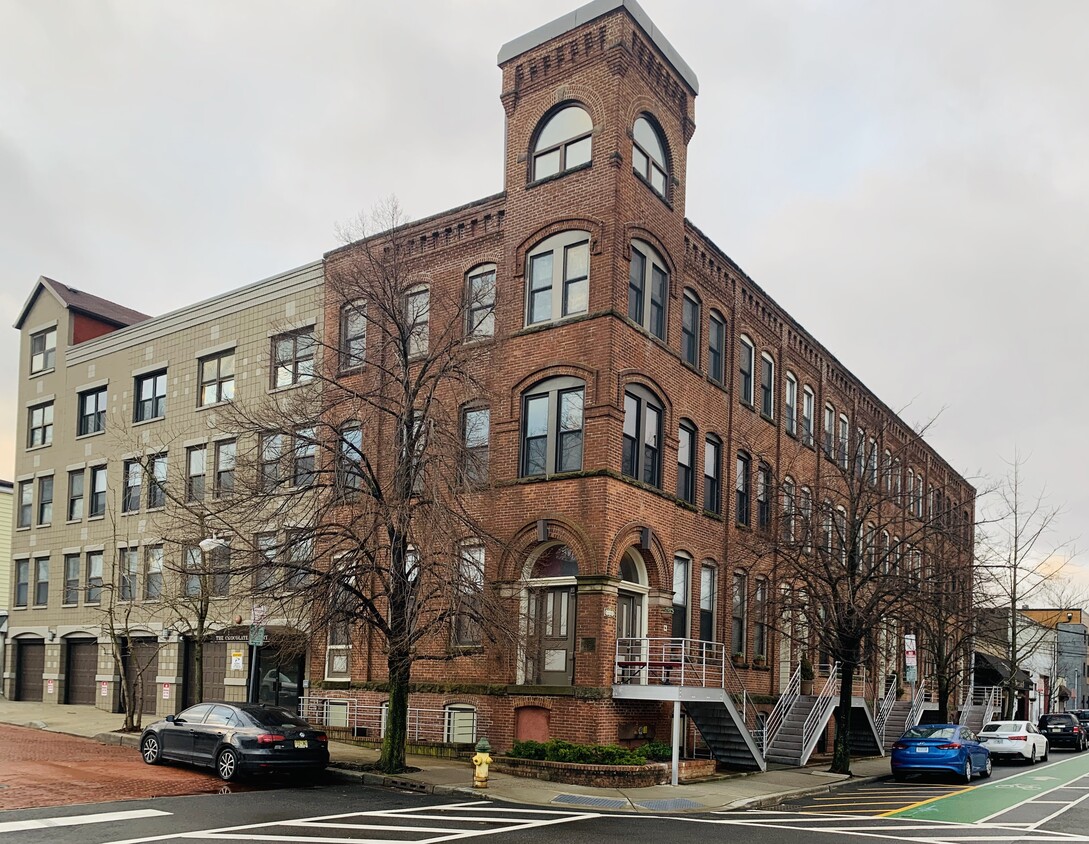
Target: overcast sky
{"x": 909, "y": 180}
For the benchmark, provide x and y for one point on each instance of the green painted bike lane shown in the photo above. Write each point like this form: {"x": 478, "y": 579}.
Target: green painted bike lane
{"x": 974, "y": 804}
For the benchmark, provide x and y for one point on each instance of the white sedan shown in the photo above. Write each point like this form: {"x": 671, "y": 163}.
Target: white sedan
{"x": 1006, "y": 739}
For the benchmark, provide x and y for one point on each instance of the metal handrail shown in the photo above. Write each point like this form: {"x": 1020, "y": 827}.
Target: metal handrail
{"x": 992, "y": 702}
{"x": 886, "y": 709}
{"x": 825, "y": 701}
{"x": 782, "y": 708}
{"x": 437, "y": 726}
{"x": 983, "y": 697}
{"x": 916, "y": 710}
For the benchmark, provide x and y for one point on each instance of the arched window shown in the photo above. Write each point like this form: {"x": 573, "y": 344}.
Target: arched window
{"x": 631, "y": 598}
{"x": 686, "y": 460}
{"x": 805, "y": 518}
{"x": 552, "y": 427}
{"x": 556, "y": 561}
{"x": 642, "y": 436}
{"x": 829, "y": 432}
{"x": 480, "y": 302}
{"x": 558, "y": 277}
{"x": 648, "y": 288}
{"x": 648, "y": 157}
{"x": 563, "y": 142}
{"x": 682, "y": 571}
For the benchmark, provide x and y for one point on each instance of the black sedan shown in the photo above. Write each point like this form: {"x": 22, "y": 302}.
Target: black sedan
{"x": 236, "y": 738}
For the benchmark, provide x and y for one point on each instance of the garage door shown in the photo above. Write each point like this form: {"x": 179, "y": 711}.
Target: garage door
{"x": 80, "y": 670}
{"x": 141, "y": 659}
{"x": 214, "y": 657}
{"x": 29, "y": 667}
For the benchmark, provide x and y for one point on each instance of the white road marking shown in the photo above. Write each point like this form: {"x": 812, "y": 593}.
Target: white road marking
{"x": 79, "y": 820}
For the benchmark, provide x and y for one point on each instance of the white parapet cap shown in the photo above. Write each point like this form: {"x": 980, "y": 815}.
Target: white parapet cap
{"x": 591, "y": 11}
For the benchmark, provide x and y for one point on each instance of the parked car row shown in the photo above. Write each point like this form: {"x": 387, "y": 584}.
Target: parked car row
{"x": 955, "y": 749}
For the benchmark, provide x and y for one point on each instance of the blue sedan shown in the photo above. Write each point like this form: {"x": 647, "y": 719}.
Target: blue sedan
{"x": 940, "y": 749}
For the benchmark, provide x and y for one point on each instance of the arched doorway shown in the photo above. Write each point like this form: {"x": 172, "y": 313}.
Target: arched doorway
{"x": 550, "y": 640}
{"x": 631, "y": 600}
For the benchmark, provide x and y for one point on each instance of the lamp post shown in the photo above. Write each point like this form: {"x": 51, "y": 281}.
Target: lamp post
{"x": 207, "y": 547}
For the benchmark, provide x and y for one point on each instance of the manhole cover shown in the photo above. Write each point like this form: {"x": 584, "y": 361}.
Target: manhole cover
{"x": 587, "y": 800}
{"x": 669, "y": 805}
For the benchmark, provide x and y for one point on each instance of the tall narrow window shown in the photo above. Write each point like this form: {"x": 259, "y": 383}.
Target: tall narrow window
{"x": 134, "y": 478}
{"x": 712, "y": 474}
{"x": 872, "y": 462}
{"x": 194, "y": 568}
{"x": 195, "y": 470}
{"x": 98, "y": 492}
{"x": 844, "y": 442}
{"x": 681, "y": 568}
{"x": 829, "y": 432}
{"x": 127, "y": 561}
{"x": 304, "y": 457}
{"x": 707, "y": 603}
{"x": 25, "y": 514}
{"x": 648, "y": 157}
{"x": 225, "y": 458}
{"x": 417, "y": 319}
{"x": 760, "y": 618}
{"x": 480, "y": 307}
{"x": 22, "y": 583}
{"x": 216, "y": 378}
{"x": 40, "y": 425}
{"x": 716, "y": 346}
{"x": 744, "y": 465}
{"x": 805, "y": 518}
{"x": 94, "y": 577}
{"x": 558, "y": 278}
{"x": 790, "y": 505}
{"x": 690, "y": 329}
{"x": 648, "y": 288}
{"x": 739, "y": 608}
{"x": 349, "y": 472}
{"x": 469, "y": 591}
{"x": 292, "y": 358}
{"x": 156, "y": 477}
{"x": 745, "y": 361}
{"x": 808, "y": 404}
{"x": 45, "y": 500}
{"x": 41, "y": 581}
{"x": 563, "y": 142}
{"x": 763, "y": 497}
{"x": 552, "y": 419}
{"x": 767, "y": 386}
{"x": 888, "y": 471}
{"x": 43, "y": 351}
{"x": 149, "y": 400}
{"x": 300, "y": 558}
{"x": 642, "y": 436}
{"x": 153, "y": 573}
{"x": 353, "y": 334}
{"x": 790, "y": 404}
{"x": 271, "y": 445}
{"x": 92, "y": 412}
{"x": 264, "y": 574}
{"x": 686, "y": 458}
{"x": 860, "y": 452}
{"x": 71, "y": 578}
{"x": 75, "y": 495}
{"x": 475, "y": 425}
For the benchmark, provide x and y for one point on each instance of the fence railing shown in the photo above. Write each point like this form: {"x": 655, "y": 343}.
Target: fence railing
{"x": 826, "y": 700}
{"x": 786, "y": 702}
{"x": 452, "y": 725}
{"x": 916, "y": 711}
{"x": 983, "y": 698}
{"x": 885, "y": 709}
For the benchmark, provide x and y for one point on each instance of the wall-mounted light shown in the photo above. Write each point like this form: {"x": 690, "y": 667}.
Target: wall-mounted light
{"x": 52, "y": 635}
{"x": 168, "y": 634}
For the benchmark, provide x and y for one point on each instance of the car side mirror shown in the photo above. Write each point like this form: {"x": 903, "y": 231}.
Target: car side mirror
{"x": 173, "y": 719}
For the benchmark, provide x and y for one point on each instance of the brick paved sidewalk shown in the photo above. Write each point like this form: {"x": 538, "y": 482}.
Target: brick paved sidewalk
{"x": 39, "y": 768}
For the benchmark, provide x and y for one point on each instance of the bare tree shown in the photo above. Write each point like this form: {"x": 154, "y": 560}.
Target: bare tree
{"x": 373, "y": 464}
{"x": 1020, "y": 563}
{"x": 856, "y": 544}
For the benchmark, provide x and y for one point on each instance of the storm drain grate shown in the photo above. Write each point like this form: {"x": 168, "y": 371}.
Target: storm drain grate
{"x": 587, "y": 800}
{"x": 669, "y": 805}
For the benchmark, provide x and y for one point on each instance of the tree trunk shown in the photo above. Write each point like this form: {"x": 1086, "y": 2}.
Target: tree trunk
{"x": 392, "y": 760}
{"x": 841, "y": 747}
{"x": 944, "y": 691}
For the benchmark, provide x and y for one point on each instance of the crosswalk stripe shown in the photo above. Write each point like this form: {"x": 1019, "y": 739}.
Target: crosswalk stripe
{"x": 79, "y": 820}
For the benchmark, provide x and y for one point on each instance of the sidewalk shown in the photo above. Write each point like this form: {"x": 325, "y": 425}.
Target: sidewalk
{"x": 452, "y": 776}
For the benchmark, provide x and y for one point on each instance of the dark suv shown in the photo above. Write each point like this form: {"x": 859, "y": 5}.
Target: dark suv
{"x": 1063, "y": 729}
{"x": 1083, "y": 716}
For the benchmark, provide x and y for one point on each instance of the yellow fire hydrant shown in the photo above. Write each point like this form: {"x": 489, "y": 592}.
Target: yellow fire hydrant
{"x": 481, "y": 760}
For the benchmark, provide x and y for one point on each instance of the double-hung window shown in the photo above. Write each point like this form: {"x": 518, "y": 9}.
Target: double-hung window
{"x": 41, "y": 581}
{"x": 690, "y": 329}
{"x": 43, "y": 351}
{"x": 196, "y": 459}
{"x": 293, "y": 358}
{"x": 743, "y": 487}
{"x": 22, "y": 583}
{"x": 552, "y": 415}
{"x": 642, "y": 436}
{"x": 150, "y": 398}
{"x": 763, "y": 497}
{"x": 716, "y": 348}
{"x": 475, "y": 424}
{"x": 98, "y": 492}
{"x": 349, "y": 472}
{"x": 353, "y": 334}
{"x": 480, "y": 304}
{"x": 417, "y": 319}
{"x": 746, "y": 355}
{"x": 844, "y": 442}
{"x": 558, "y": 278}
{"x": 45, "y": 500}
{"x": 790, "y": 404}
{"x": 739, "y": 611}
{"x": 272, "y": 458}
{"x": 686, "y": 459}
{"x": 712, "y": 474}
{"x": 130, "y": 498}
{"x": 648, "y": 289}
{"x": 40, "y": 425}
{"x": 94, "y": 577}
{"x": 153, "y": 573}
{"x": 71, "y": 579}
{"x": 25, "y": 514}
{"x": 75, "y": 494}
{"x": 808, "y": 405}
{"x": 225, "y": 459}
{"x": 127, "y": 562}
{"x": 829, "y": 432}
{"x": 92, "y": 412}
{"x": 156, "y": 477}
{"x": 467, "y": 631}
{"x": 767, "y": 386}
{"x": 216, "y": 378}
{"x": 304, "y": 457}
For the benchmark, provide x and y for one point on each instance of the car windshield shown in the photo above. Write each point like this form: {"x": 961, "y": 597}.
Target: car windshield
{"x": 937, "y": 731}
{"x": 271, "y": 717}
{"x": 1004, "y": 727}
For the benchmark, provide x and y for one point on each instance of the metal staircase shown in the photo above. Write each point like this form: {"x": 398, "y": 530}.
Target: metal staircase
{"x": 979, "y": 706}
{"x": 700, "y": 677}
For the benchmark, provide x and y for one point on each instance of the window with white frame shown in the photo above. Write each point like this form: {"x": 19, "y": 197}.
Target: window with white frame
{"x": 808, "y": 409}
{"x": 707, "y": 603}
{"x": 746, "y": 357}
{"x": 266, "y": 563}
{"x": 153, "y": 573}
{"x": 43, "y": 351}
{"x": 648, "y": 156}
{"x": 563, "y": 142}
{"x": 353, "y": 334}
{"x": 790, "y": 404}
{"x": 829, "y": 432}
{"x": 460, "y": 721}
{"x": 134, "y": 479}
{"x": 552, "y": 414}
{"x": 41, "y": 581}
{"x": 558, "y": 278}
{"x": 480, "y": 303}
{"x": 469, "y": 593}
{"x": 24, "y": 516}
{"x": 216, "y": 378}
{"x": 739, "y": 613}
{"x": 642, "y": 453}
{"x": 844, "y": 444}
{"x": 686, "y": 459}
{"x": 648, "y": 289}
{"x": 475, "y": 428}
{"x": 94, "y": 577}
{"x": 417, "y": 319}
{"x": 195, "y": 471}
{"x": 22, "y": 583}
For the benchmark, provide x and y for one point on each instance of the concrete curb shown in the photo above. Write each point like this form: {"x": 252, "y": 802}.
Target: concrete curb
{"x": 770, "y": 801}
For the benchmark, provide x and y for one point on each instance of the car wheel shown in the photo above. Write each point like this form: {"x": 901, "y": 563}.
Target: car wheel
{"x": 227, "y": 764}
{"x": 986, "y": 772}
{"x": 150, "y": 749}
{"x": 1032, "y": 756}
{"x": 967, "y": 776}
{"x": 1047, "y": 750}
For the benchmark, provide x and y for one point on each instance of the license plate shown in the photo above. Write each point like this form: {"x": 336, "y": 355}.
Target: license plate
{"x": 302, "y": 744}
{"x": 1056, "y": 729}
{"x": 922, "y": 749}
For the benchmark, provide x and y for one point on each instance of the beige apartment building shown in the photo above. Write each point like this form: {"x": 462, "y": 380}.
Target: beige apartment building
{"x": 6, "y": 488}
{"x": 120, "y": 449}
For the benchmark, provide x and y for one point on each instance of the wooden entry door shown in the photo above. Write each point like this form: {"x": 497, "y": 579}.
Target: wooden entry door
{"x": 629, "y": 616}
{"x": 551, "y": 655}
{"x": 81, "y": 671}
{"x": 29, "y": 667}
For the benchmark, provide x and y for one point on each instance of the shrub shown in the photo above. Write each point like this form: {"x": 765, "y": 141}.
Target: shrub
{"x": 656, "y": 751}
{"x": 558, "y": 750}
{"x": 528, "y": 750}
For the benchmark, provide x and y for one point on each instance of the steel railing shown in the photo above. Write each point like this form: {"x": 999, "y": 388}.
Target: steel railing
{"x": 826, "y": 700}
{"x": 452, "y": 725}
{"x": 782, "y": 708}
{"x": 915, "y": 713}
{"x": 885, "y": 709}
